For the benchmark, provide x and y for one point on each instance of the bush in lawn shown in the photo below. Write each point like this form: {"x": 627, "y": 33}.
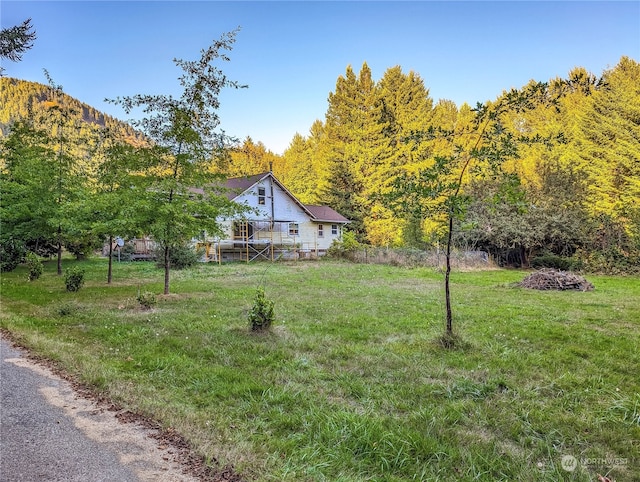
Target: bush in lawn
{"x": 610, "y": 261}
{"x": 83, "y": 246}
{"x": 125, "y": 253}
{"x": 146, "y": 299}
{"x": 66, "y": 309}
{"x": 11, "y": 254}
{"x": 74, "y": 278}
{"x": 262, "y": 315}
{"x": 43, "y": 247}
{"x": 35, "y": 266}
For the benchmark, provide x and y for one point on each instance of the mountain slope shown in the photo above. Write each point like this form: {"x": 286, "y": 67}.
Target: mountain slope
{"x": 21, "y": 100}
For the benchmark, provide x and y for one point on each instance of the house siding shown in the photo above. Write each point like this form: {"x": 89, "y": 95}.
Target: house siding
{"x": 274, "y": 210}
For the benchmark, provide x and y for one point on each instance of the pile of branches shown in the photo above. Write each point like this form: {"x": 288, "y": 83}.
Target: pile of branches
{"x": 551, "y": 279}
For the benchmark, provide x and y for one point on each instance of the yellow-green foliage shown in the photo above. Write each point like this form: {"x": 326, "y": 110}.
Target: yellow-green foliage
{"x": 350, "y": 158}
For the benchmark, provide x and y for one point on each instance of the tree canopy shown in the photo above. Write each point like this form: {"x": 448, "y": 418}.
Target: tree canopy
{"x": 178, "y": 193}
{"x": 577, "y": 198}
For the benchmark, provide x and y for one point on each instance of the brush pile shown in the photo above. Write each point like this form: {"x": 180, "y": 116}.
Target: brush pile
{"x": 551, "y": 279}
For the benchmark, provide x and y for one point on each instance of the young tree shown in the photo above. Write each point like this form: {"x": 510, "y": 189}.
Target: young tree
{"x": 28, "y": 198}
{"x": 15, "y": 41}
{"x": 177, "y": 189}
{"x": 113, "y": 208}
{"x": 440, "y": 188}
{"x": 40, "y": 185}
{"x": 69, "y": 176}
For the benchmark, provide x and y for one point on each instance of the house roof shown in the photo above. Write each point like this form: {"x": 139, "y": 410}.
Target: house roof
{"x": 326, "y": 214}
{"x": 234, "y": 187}
{"x": 237, "y": 185}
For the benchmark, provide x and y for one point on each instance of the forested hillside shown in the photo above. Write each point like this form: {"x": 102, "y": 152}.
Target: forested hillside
{"x": 20, "y": 99}
{"x": 570, "y": 187}
{"x": 80, "y": 127}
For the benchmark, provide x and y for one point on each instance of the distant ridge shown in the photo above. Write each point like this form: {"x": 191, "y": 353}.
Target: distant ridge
{"x": 22, "y": 99}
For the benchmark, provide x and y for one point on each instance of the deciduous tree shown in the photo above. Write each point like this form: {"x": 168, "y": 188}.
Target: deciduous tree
{"x": 115, "y": 207}
{"x": 480, "y": 152}
{"x": 178, "y": 189}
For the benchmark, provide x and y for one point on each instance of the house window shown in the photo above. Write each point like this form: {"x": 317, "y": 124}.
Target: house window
{"x": 240, "y": 230}
{"x": 334, "y": 229}
{"x": 293, "y": 229}
{"x": 261, "y": 196}
{"x": 320, "y": 231}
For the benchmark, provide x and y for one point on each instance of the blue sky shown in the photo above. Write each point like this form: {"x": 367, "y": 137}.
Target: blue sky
{"x": 291, "y": 53}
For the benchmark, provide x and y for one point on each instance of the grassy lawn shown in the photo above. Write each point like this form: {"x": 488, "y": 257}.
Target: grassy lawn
{"x": 349, "y": 384}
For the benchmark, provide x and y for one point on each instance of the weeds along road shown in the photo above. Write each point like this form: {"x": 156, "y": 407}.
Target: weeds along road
{"x": 49, "y": 433}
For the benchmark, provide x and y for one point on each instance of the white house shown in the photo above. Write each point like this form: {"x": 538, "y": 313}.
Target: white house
{"x": 278, "y": 226}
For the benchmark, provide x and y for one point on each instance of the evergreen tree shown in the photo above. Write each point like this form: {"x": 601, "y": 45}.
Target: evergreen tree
{"x": 609, "y": 152}
{"x": 248, "y": 159}
{"x": 342, "y": 119}
{"x": 15, "y": 41}
{"x": 404, "y": 108}
{"x": 298, "y": 172}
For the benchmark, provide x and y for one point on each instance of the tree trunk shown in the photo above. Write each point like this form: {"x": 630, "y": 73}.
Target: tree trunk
{"x": 109, "y": 271}
{"x": 523, "y": 255}
{"x": 166, "y": 270}
{"x": 59, "y": 252}
{"x": 447, "y": 292}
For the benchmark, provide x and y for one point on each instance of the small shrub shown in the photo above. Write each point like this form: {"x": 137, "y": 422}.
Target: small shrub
{"x": 342, "y": 248}
{"x": 11, "y": 254}
{"x": 147, "y": 299}
{"x": 125, "y": 253}
{"x": 611, "y": 261}
{"x": 262, "y": 315}
{"x": 34, "y": 265}
{"x": 66, "y": 309}
{"x": 74, "y": 278}
{"x": 43, "y": 247}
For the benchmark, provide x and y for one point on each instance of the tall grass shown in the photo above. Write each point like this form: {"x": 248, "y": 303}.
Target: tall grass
{"x": 349, "y": 383}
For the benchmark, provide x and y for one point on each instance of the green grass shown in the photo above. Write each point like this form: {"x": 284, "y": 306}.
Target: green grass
{"x": 350, "y": 384}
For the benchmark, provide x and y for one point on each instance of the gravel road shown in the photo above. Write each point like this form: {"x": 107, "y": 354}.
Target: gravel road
{"x": 50, "y": 433}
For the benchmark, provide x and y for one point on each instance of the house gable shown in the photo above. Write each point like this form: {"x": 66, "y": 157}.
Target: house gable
{"x": 278, "y": 219}
{"x": 260, "y": 190}
{"x": 267, "y": 195}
